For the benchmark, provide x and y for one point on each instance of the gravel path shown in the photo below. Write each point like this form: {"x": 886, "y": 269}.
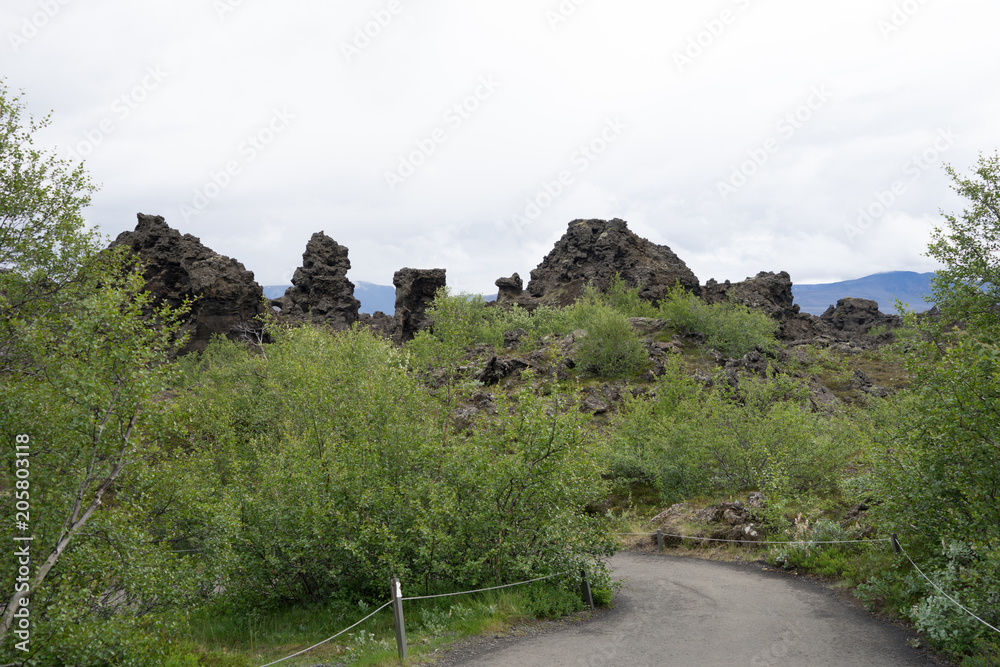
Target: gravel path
{"x": 690, "y": 612}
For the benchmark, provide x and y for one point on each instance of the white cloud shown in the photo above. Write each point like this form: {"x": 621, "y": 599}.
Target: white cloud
{"x": 559, "y": 84}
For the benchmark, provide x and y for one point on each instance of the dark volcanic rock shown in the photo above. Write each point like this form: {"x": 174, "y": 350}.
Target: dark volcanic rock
{"x": 499, "y": 368}
{"x": 510, "y": 288}
{"x": 594, "y": 251}
{"x": 770, "y": 293}
{"x": 767, "y": 291}
{"x": 513, "y": 338}
{"x": 415, "y": 290}
{"x": 320, "y": 289}
{"x": 857, "y": 316}
{"x": 180, "y": 267}
{"x": 378, "y": 322}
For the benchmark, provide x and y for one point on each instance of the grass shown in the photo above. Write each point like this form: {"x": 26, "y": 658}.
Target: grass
{"x": 232, "y": 640}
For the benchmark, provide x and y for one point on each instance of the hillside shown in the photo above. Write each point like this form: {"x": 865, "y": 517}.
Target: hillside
{"x": 907, "y": 286}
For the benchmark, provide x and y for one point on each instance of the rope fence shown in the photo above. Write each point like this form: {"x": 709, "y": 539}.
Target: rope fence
{"x": 397, "y": 601}
{"x": 659, "y": 534}
{"x": 483, "y": 590}
{"x": 953, "y": 600}
{"x": 330, "y": 638}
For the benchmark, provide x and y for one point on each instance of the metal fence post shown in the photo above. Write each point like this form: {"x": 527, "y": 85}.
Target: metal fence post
{"x": 659, "y": 538}
{"x": 588, "y": 597}
{"x": 396, "y": 591}
{"x": 895, "y": 544}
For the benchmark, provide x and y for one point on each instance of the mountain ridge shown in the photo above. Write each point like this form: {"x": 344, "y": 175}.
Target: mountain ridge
{"x": 885, "y": 287}
{"x": 814, "y": 298}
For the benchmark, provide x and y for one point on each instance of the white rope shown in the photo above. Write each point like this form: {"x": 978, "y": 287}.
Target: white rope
{"x": 483, "y": 590}
{"x": 945, "y": 594}
{"x": 331, "y": 638}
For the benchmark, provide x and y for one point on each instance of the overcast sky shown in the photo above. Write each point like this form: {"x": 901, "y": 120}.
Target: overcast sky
{"x": 747, "y": 135}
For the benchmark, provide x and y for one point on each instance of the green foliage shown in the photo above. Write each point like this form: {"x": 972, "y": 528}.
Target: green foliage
{"x": 729, "y": 327}
{"x": 807, "y": 552}
{"x": 458, "y": 321}
{"x": 624, "y": 299}
{"x": 84, "y": 364}
{"x": 971, "y": 578}
{"x": 548, "y": 601}
{"x": 939, "y": 459}
{"x": 685, "y": 312}
{"x": 339, "y": 476}
{"x": 611, "y": 347}
{"x": 87, "y": 398}
{"x": 44, "y": 242}
{"x": 968, "y": 245}
{"x": 761, "y": 435}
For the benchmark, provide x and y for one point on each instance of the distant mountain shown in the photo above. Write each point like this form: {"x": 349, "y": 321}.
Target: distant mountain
{"x": 375, "y": 297}
{"x": 372, "y": 297}
{"x": 907, "y": 286}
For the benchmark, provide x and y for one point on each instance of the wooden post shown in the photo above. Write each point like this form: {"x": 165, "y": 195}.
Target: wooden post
{"x": 396, "y": 591}
{"x": 895, "y": 544}
{"x": 659, "y": 538}
{"x": 588, "y": 597}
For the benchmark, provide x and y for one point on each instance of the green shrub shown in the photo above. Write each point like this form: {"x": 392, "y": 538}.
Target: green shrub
{"x": 625, "y": 299}
{"x": 734, "y": 330}
{"x": 346, "y": 458}
{"x": 691, "y": 440}
{"x": 611, "y": 347}
{"x": 458, "y": 321}
{"x": 683, "y": 311}
{"x": 731, "y": 328}
{"x": 545, "y": 600}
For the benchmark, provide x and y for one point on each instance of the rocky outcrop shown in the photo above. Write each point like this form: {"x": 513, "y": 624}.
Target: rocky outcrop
{"x": 415, "y": 290}
{"x": 320, "y": 290}
{"x": 593, "y": 251}
{"x": 226, "y": 296}
{"x": 499, "y": 368}
{"x": 857, "y": 316}
{"x": 510, "y": 289}
{"x": 733, "y": 521}
{"x": 770, "y": 293}
{"x": 378, "y": 322}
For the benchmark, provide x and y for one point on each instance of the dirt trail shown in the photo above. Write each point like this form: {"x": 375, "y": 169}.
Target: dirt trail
{"x": 683, "y": 611}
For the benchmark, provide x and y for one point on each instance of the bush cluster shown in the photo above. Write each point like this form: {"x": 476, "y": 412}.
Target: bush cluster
{"x": 761, "y": 434}
{"x": 339, "y": 476}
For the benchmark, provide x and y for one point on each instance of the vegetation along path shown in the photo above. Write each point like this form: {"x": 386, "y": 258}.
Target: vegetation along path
{"x": 684, "y": 611}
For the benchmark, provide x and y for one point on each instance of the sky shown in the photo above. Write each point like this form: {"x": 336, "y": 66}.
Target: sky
{"x": 747, "y": 135}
